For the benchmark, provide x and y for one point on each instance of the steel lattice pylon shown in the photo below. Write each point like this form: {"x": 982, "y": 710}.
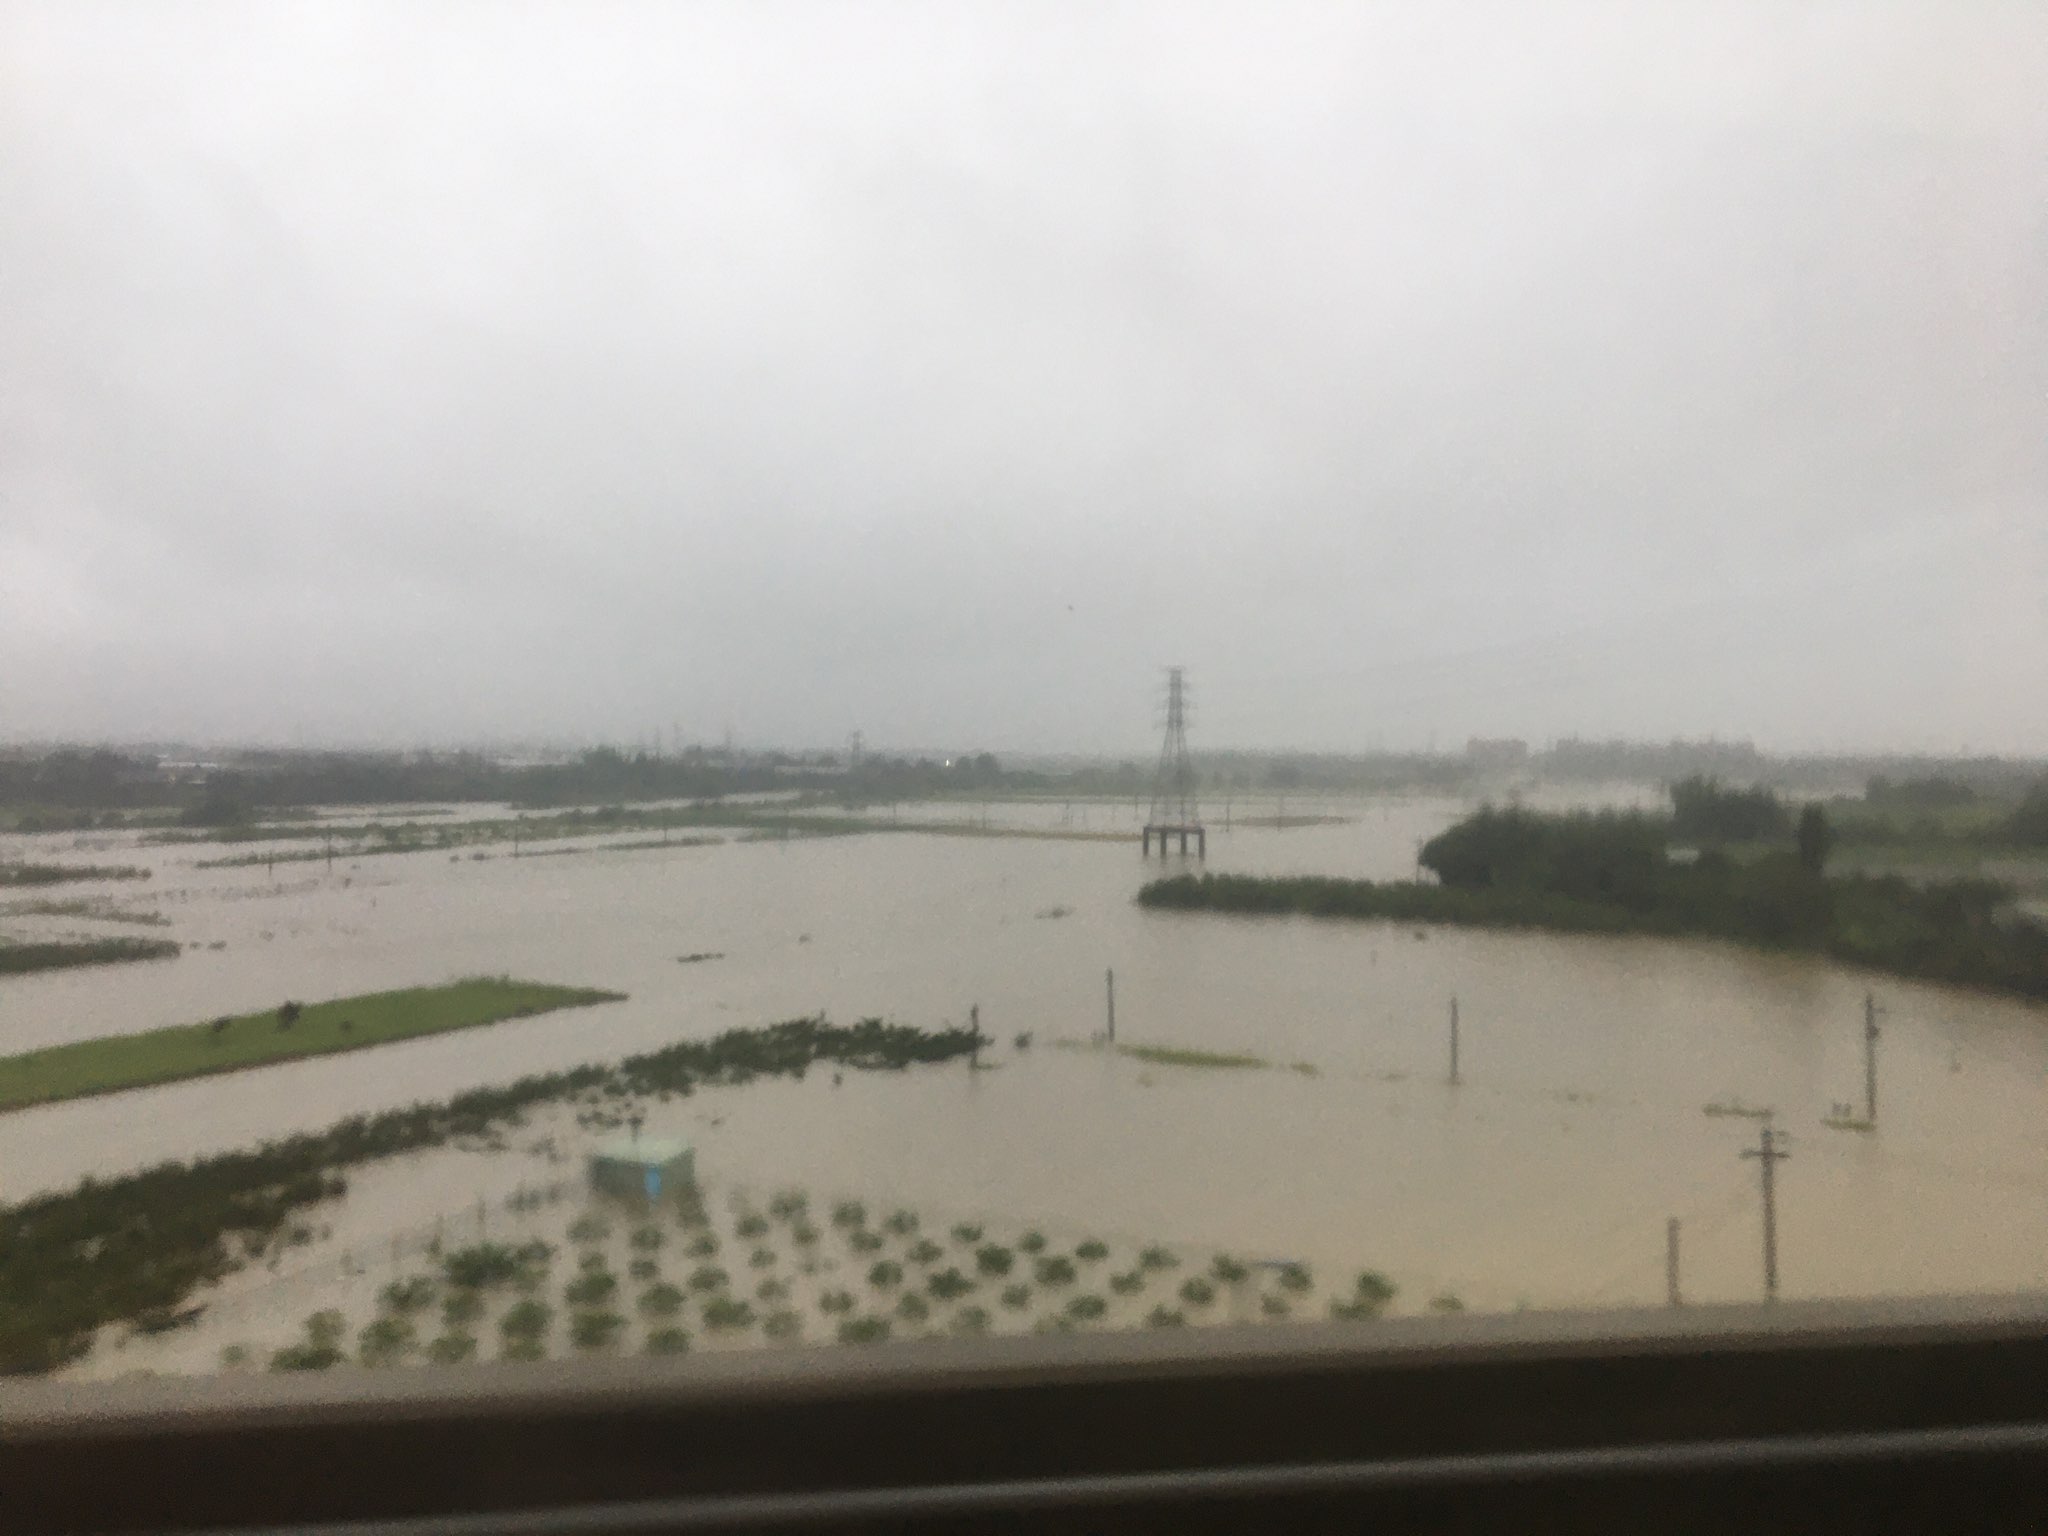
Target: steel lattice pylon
{"x": 1175, "y": 811}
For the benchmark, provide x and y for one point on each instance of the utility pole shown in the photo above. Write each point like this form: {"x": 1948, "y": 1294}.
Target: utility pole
{"x": 1671, "y": 1262}
{"x": 1454, "y": 1042}
{"x": 1870, "y": 1034}
{"x": 1769, "y": 1157}
{"x": 974, "y": 1051}
{"x": 1112, "y": 1007}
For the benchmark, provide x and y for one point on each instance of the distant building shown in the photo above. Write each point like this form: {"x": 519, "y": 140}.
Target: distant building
{"x": 1496, "y": 752}
{"x": 647, "y": 1167}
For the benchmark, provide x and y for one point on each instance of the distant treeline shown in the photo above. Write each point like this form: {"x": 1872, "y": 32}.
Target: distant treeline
{"x": 69, "y": 789}
{"x": 135, "y": 1247}
{"x": 1612, "y": 873}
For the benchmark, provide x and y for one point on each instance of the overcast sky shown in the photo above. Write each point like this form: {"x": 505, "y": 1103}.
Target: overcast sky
{"x": 428, "y": 373}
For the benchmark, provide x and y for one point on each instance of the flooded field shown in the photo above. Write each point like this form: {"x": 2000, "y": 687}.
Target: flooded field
{"x": 1544, "y": 1179}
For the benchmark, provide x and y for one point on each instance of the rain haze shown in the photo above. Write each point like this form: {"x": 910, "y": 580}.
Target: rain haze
{"x": 378, "y": 374}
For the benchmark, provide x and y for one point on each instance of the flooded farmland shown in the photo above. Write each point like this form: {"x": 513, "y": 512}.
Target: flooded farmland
{"x": 1543, "y": 1179}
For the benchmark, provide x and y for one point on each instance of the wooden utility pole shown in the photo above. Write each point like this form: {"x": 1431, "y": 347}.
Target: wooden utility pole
{"x": 1112, "y": 1007}
{"x": 1870, "y": 1034}
{"x": 1769, "y": 1157}
{"x": 1671, "y": 1262}
{"x": 1454, "y": 1042}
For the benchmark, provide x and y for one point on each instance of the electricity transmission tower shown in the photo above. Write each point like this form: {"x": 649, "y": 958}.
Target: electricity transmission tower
{"x": 1174, "y": 810}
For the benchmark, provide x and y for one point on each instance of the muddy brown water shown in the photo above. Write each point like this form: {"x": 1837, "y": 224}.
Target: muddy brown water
{"x": 1544, "y": 1179}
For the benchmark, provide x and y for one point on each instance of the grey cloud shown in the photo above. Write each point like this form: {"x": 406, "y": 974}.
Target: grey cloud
{"x": 942, "y": 369}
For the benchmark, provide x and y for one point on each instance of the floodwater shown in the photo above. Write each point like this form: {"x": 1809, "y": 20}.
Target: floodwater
{"x": 1545, "y": 1178}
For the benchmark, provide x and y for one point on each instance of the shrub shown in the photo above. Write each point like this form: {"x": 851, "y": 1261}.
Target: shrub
{"x": 902, "y": 1223}
{"x": 1375, "y": 1287}
{"x": 1092, "y": 1251}
{"x": 452, "y": 1348}
{"x": 789, "y": 1204}
{"x": 1032, "y": 1241}
{"x": 595, "y": 1330}
{"x": 233, "y": 1357}
{"x": 835, "y": 1301}
{"x": 1295, "y": 1278}
{"x": 971, "y": 1322}
{"x": 642, "y": 1269}
{"x": 387, "y": 1341}
{"x": 405, "y": 1296}
{"x": 865, "y": 1241}
{"x": 772, "y": 1290}
{"x": 591, "y": 1262}
{"x": 1228, "y": 1271}
{"x": 761, "y": 1258}
{"x": 1055, "y": 1271}
{"x": 864, "y": 1330}
{"x": 723, "y": 1313}
{"x": 661, "y": 1301}
{"x": 1127, "y": 1284}
{"x": 994, "y": 1259}
{"x": 967, "y": 1234}
{"x": 1156, "y": 1257}
{"x": 926, "y": 1252}
{"x": 526, "y": 1320}
{"x": 534, "y": 1261}
{"x": 885, "y": 1274}
{"x": 1446, "y": 1301}
{"x": 804, "y": 1235}
{"x": 592, "y": 1288}
{"x": 523, "y": 1349}
{"x": 668, "y": 1341}
{"x": 1197, "y": 1292}
{"x": 1274, "y": 1306}
{"x": 1164, "y": 1317}
{"x": 648, "y": 1238}
{"x": 1369, "y": 1298}
{"x": 751, "y": 1227}
{"x": 850, "y": 1214}
{"x": 912, "y": 1308}
{"x": 702, "y": 1246}
{"x": 708, "y": 1277}
{"x": 461, "y": 1307}
{"x": 1016, "y": 1297}
{"x": 306, "y": 1357}
{"x": 326, "y": 1327}
{"x": 1086, "y": 1308}
{"x": 481, "y": 1264}
{"x": 948, "y": 1285}
{"x": 589, "y": 1229}
{"x": 782, "y": 1325}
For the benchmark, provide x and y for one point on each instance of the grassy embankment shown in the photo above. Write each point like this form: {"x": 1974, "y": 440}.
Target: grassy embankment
{"x": 114, "y": 1063}
{"x": 135, "y": 1247}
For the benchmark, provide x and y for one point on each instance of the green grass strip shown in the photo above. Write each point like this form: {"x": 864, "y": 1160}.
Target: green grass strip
{"x": 115, "y": 1063}
{"x": 1177, "y": 1056}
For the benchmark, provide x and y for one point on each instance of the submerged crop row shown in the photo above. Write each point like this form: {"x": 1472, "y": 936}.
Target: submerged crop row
{"x": 62, "y": 954}
{"x": 135, "y": 1248}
